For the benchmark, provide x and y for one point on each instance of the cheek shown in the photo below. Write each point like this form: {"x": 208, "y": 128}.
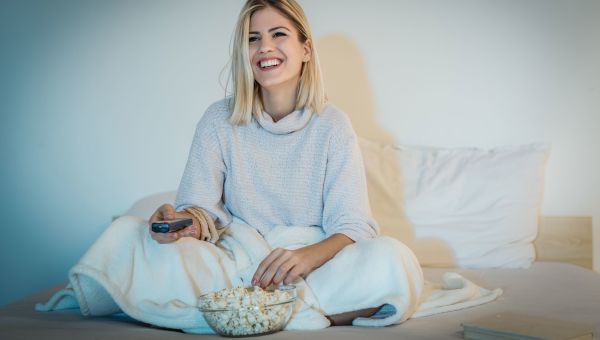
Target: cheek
{"x": 297, "y": 55}
{"x": 251, "y": 53}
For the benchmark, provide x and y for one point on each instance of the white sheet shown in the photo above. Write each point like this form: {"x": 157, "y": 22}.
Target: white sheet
{"x": 158, "y": 284}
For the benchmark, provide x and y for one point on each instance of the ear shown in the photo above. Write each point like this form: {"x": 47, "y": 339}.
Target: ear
{"x": 307, "y": 50}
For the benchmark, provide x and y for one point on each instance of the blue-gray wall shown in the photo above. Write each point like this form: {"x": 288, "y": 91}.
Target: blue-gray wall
{"x": 98, "y": 103}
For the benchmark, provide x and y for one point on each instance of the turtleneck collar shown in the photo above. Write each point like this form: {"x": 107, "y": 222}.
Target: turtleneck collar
{"x": 294, "y": 121}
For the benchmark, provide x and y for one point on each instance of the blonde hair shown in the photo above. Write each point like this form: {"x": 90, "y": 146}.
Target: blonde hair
{"x": 246, "y": 98}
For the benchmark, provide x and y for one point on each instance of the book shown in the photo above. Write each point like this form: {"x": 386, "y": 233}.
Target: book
{"x": 508, "y": 325}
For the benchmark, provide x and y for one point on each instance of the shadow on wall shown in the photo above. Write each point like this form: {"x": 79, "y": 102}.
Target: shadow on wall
{"x": 347, "y": 87}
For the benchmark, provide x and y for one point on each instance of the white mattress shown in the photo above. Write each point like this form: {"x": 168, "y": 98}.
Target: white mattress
{"x": 555, "y": 290}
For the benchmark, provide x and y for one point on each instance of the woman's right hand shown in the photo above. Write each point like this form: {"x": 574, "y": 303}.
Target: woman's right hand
{"x": 167, "y": 212}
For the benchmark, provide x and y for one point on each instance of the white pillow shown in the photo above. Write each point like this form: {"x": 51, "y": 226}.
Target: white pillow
{"x": 464, "y": 207}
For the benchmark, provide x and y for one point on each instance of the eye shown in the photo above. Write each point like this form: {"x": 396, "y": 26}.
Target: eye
{"x": 253, "y": 39}
{"x": 278, "y": 34}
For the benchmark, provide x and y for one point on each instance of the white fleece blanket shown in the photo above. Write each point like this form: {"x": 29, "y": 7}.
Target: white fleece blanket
{"x": 125, "y": 270}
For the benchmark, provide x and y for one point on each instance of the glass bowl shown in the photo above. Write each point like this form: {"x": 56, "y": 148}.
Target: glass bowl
{"x": 249, "y": 311}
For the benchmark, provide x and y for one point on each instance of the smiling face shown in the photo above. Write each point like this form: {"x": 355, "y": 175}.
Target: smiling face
{"x": 275, "y": 51}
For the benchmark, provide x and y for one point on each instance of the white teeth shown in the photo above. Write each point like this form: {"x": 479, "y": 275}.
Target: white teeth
{"x": 271, "y": 62}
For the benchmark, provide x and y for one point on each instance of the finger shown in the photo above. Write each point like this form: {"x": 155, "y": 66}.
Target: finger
{"x": 166, "y": 239}
{"x": 159, "y": 213}
{"x": 161, "y": 240}
{"x": 283, "y": 271}
{"x": 189, "y": 231}
{"x": 265, "y": 263}
{"x": 163, "y": 237}
{"x": 174, "y": 235}
{"x": 293, "y": 276}
{"x": 167, "y": 211}
{"x": 155, "y": 236}
{"x": 154, "y": 216}
{"x": 270, "y": 272}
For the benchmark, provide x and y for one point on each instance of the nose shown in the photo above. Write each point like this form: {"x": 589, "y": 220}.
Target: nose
{"x": 266, "y": 45}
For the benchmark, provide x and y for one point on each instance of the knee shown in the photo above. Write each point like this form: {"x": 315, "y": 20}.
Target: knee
{"x": 129, "y": 223}
{"x": 384, "y": 246}
{"x": 389, "y": 248}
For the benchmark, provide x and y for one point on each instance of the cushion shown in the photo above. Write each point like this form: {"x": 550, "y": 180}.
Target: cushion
{"x": 465, "y": 207}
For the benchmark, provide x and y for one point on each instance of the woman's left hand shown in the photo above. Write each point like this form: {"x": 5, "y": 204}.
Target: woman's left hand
{"x": 286, "y": 266}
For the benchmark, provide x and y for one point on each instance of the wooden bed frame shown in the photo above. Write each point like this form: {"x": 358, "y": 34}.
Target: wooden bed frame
{"x": 565, "y": 239}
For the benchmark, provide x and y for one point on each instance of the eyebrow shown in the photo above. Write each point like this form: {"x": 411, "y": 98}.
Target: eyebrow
{"x": 272, "y": 29}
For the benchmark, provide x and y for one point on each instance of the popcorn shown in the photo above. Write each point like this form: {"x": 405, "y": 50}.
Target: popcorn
{"x": 247, "y": 311}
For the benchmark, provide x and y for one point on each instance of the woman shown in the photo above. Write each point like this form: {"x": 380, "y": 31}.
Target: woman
{"x": 275, "y": 153}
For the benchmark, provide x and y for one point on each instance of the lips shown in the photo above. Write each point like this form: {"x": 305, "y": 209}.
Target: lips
{"x": 269, "y": 64}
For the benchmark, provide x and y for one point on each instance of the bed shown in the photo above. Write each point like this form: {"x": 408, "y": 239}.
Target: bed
{"x": 550, "y": 289}
{"x": 559, "y": 284}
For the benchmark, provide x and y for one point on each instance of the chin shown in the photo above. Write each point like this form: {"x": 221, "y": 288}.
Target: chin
{"x": 271, "y": 84}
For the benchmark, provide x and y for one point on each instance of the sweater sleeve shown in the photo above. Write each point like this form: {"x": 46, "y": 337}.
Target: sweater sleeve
{"x": 204, "y": 175}
{"x": 346, "y": 203}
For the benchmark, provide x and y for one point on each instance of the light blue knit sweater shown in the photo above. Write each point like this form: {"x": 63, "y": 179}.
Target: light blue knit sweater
{"x": 305, "y": 169}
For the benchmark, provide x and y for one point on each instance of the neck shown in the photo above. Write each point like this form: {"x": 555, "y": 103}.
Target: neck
{"x": 279, "y": 103}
